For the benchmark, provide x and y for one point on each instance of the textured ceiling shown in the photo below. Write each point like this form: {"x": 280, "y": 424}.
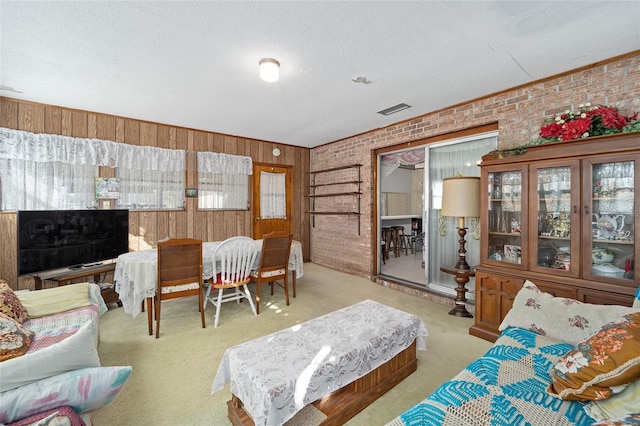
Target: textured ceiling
{"x": 195, "y": 64}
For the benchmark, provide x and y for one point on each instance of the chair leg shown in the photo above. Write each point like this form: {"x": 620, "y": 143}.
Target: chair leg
{"x": 201, "y": 304}
{"x": 218, "y": 304}
{"x": 258, "y": 298}
{"x": 286, "y": 288}
{"x": 293, "y": 279}
{"x": 149, "y": 314}
{"x": 249, "y": 298}
{"x": 157, "y": 309}
{"x": 206, "y": 296}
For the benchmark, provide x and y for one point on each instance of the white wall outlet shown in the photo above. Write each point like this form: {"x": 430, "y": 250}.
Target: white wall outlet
{"x": 106, "y": 204}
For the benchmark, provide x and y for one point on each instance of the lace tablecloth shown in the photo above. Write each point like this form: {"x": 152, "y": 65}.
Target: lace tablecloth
{"x": 276, "y": 375}
{"x": 136, "y": 272}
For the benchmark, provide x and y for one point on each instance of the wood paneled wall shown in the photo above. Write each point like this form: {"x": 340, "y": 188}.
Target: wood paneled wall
{"x": 147, "y": 227}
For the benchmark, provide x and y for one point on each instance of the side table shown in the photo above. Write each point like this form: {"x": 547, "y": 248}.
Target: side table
{"x": 65, "y": 276}
{"x": 462, "y": 277}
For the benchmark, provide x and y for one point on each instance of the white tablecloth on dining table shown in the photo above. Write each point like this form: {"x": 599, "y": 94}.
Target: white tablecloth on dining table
{"x": 136, "y": 272}
{"x": 276, "y": 375}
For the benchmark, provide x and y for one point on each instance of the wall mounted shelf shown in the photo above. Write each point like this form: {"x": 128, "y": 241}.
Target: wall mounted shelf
{"x": 314, "y": 195}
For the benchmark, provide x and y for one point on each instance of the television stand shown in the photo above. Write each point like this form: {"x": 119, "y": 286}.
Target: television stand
{"x": 64, "y": 276}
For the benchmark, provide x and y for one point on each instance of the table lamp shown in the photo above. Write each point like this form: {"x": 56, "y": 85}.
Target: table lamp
{"x": 461, "y": 198}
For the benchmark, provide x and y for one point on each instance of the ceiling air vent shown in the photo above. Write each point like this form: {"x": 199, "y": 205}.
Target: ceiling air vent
{"x": 394, "y": 109}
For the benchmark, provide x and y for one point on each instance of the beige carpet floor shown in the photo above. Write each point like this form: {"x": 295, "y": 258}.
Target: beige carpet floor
{"x": 172, "y": 376}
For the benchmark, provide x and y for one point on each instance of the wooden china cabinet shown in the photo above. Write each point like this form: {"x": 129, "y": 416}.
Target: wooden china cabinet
{"x": 563, "y": 216}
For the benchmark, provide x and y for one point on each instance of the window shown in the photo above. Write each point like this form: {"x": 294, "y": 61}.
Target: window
{"x": 223, "y": 181}
{"x": 150, "y": 189}
{"x": 43, "y": 171}
{"x": 273, "y": 196}
{"x": 150, "y": 178}
{"x": 33, "y": 185}
{"x": 223, "y": 191}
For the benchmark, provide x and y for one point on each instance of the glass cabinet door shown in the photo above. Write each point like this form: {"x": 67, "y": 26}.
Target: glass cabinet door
{"x": 611, "y": 220}
{"x": 555, "y": 247}
{"x": 506, "y": 221}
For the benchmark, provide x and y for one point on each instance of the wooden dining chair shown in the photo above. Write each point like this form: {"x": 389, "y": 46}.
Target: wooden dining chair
{"x": 273, "y": 264}
{"x": 179, "y": 275}
{"x": 235, "y": 257}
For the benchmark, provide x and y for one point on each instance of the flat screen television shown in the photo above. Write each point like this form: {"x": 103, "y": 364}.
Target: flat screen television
{"x": 55, "y": 239}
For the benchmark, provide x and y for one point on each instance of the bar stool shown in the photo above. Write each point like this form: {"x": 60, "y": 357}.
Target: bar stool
{"x": 406, "y": 241}
{"x": 400, "y": 241}
{"x": 389, "y": 238}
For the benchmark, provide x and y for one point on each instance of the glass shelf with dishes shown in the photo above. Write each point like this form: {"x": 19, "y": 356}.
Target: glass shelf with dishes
{"x": 554, "y": 217}
{"x": 505, "y": 216}
{"x": 613, "y": 219}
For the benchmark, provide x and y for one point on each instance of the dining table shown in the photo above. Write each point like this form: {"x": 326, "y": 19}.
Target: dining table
{"x": 136, "y": 272}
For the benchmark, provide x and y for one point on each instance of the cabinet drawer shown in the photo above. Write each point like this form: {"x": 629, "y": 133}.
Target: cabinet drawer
{"x": 557, "y": 290}
{"x": 604, "y": 298}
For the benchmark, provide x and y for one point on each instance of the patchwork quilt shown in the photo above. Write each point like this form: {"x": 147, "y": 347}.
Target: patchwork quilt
{"x": 507, "y": 386}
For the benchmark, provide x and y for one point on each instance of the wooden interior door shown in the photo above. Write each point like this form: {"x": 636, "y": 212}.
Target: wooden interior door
{"x": 264, "y": 226}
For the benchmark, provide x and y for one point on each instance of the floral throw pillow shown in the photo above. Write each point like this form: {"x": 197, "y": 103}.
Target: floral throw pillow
{"x": 14, "y": 338}
{"x": 10, "y": 304}
{"x": 560, "y": 318}
{"x": 611, "y": 357}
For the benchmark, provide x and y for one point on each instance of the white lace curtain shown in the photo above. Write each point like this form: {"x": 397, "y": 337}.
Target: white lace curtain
{"x": 44, "y": 171}
{"x": 447, "y": 161}
{"x": 44, "y": 148}
{"x": 31, "y": 185}
{"x": 150, "y": 178}
{"x": 223, "y": 181}
{"x": 273, "y": 196}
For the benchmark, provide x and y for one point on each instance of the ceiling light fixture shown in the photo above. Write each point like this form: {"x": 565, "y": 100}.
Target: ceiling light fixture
{"x": 269, "y": 70}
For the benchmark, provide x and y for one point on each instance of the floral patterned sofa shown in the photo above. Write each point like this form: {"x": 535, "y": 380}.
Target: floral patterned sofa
{"x": 557, "y": 362}
{"x": 49, "y": 364}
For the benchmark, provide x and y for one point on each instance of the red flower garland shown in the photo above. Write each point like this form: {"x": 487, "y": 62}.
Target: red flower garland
{"x": 601, "y": 120}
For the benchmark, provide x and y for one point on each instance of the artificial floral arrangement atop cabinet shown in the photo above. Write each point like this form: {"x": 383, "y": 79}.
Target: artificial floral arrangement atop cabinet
{"x": 588, "y": 121}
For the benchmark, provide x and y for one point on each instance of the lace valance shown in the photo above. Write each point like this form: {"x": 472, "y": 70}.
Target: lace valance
{"x": 213, "y": 162}
{"x": 40, "y": 147}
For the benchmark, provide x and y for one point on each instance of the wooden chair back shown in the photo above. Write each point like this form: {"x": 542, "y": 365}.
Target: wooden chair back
{"x": 274, "y": 263}
{"x": 179, "y": 274}
{"x": 274, "y": 255}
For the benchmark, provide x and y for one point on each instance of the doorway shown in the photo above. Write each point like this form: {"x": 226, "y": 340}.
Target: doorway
{"x": 401, "y": 215}
{"x": 272, "y": 204}
{"x": 410, "y": 194}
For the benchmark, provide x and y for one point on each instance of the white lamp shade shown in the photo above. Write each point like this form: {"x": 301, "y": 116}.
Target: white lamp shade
{"x": 461, "y": 196}
{"x": 269, "y": 70}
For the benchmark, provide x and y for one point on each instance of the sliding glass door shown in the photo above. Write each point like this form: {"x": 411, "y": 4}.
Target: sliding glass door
{"x": 449, "y": 159}
{"x": 410, "y": 194}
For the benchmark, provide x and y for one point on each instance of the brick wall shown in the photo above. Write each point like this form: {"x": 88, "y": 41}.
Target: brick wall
{"x": 519, "y": 113}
